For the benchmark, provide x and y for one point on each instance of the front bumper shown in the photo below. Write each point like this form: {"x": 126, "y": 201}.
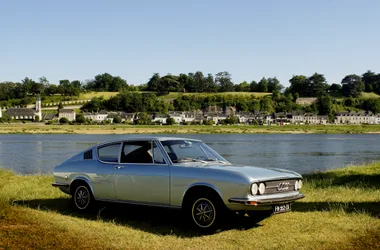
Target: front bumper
{"x": 257, "y": 203}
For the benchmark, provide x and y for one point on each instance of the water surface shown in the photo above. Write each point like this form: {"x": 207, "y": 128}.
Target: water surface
{"x": 28, "y": 154}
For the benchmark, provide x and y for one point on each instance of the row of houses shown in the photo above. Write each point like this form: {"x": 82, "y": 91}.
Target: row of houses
{"x": 218, "y": 117}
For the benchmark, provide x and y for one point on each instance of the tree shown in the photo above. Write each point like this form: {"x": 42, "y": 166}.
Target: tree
{"x": 116, "y": 119}
{"x": 154, "y": 82}
{"x": 42, "y": 80}
{"x": 353, "y": 85}
{"x": 254, "y": 87}
{"x": 143, "y": 119}
{"x": 60, "y": 106}
{"x": 210, "y": 84}
{"x": 107, "y": 82}
{"x": 274, "y": 85}
{"x": 335, "y": 88}
{"x": 369, "y": 80}
{"x": 324, "y": 105}
{"x": 242, "y": 87}
{"x": 36, "y": 118}
{"x": 199, "y": 82}
{"x": 266, "y": 105}
{"x": 317, "y": 85}
{"x": 170, "y": 121}
{"x": 298, "y": 84}
{"x": 63, "y": 120}
{"x": 80, "y": 118}
{"x": 223, "y": 80}
{"x": 372, "y": 105}
{"x": 263, "y": 85}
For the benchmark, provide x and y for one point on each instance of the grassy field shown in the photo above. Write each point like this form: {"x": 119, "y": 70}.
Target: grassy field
{"x": 37, "y": 128}
{"x": 341, "y": 211}
{"x": 363, "y": 95}
{"x": 90, "y": 95}
{"x": 171, "y": 96}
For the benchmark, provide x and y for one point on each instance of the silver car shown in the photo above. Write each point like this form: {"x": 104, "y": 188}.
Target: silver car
{"x": 176, "y": 173}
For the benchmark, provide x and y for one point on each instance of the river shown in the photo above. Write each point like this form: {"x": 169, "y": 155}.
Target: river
{"x": 304, "y": 153}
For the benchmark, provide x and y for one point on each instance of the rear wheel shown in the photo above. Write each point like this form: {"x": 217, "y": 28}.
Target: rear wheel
{"x": 82, "y": 197}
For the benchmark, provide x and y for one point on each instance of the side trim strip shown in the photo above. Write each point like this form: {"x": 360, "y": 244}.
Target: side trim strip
{"x": 140, "y": 203}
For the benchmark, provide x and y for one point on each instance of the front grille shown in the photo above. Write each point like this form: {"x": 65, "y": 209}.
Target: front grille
{"x": 88, "y": 155}
{"x": 272, "y": 187}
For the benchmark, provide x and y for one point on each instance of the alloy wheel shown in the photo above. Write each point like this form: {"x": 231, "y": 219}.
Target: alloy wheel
{"x": 203, "y": 213}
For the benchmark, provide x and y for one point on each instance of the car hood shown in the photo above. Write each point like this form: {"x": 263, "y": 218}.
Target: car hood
{"x": 257, "y": 173}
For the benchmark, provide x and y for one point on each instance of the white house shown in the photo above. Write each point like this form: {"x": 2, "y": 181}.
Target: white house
{"x": 160, "y": 118}
{"x": 96, "y": 117}
{"x": 177, "y": 116}
{"x": 67, "y": 113}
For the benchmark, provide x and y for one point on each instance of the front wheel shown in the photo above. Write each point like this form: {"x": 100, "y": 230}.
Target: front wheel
{"x": 82, "y": 197}
{"x": 204, "y": 212}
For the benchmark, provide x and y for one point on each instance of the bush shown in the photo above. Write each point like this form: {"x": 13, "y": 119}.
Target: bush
{"x": 80, "y": 119}
{"x": 208, "y": 122}
{"x": 117, "y": 120}
{"x": 170, "y": 121}
{"x": 64, "y": 120}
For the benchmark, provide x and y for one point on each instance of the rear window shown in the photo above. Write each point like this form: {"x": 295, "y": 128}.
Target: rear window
{"x": 109, "y": 153}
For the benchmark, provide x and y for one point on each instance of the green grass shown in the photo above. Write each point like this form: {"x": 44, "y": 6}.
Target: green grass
{"x": 173, "y": 95}
{"x": 368, "y": 95}
{"x": 341, "y": 211}
{"x": 90, "y": 95}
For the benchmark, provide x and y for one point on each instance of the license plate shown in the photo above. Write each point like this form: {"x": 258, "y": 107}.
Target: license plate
{"x": 282, "y": 208}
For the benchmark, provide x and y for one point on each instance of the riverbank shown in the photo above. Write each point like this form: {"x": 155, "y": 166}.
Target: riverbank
{"x": 36, "y": 128}
{"x": 341, "y": 211}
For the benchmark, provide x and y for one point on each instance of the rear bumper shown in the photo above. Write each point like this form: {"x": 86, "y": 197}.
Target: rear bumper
{"x": 261, "y": 204}
{"x": 58, "y": 184}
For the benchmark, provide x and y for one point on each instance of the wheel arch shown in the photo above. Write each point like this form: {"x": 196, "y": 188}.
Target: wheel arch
{"x": 197, "y": 188}
{"x": 78, "y": 180}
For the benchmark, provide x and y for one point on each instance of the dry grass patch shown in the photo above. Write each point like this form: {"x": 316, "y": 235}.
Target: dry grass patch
{"x": 340, "y": 211}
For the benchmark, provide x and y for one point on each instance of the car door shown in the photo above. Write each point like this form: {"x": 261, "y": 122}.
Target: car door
{"x": 102, "y": 173}
{"x": 142, "y": 176}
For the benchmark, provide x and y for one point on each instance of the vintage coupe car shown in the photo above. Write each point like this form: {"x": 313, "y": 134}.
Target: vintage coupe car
{"x": 175, "y": 173}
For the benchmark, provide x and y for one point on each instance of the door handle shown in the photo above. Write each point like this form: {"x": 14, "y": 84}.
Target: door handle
{"x": 119, "y": 167}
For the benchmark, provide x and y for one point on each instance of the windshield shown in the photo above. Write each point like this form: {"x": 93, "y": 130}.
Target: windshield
{"x": 187, "y": 150}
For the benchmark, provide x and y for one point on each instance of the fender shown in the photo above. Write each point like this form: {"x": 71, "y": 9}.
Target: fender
{"x": 85, "y": 179}
{"x": 202, "y": 184}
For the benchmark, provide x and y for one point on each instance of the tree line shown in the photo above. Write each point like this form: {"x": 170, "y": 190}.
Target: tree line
{"x": 300, "y": 85}
{"x": 133, "y": 102}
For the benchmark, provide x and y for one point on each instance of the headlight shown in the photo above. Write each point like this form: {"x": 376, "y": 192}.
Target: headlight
{"x": 300, "y": 184}
{"x": 296, "y": 185}
{"x": 254, "y": 189}
{"x": 262, "y": 188}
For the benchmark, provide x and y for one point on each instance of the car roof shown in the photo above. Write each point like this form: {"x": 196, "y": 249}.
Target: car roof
{"x": 144, "y": 138}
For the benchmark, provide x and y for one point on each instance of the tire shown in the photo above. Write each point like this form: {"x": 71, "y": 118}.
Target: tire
{"x": 82, "y": 197}
{"x": 205, "y": 212}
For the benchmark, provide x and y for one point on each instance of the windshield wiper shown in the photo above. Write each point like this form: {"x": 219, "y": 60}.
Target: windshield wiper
{"x": 191, "y": 159}
{"x": 216, "y": 160}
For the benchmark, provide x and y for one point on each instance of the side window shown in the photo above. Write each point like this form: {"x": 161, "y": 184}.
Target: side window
{"x": 136, "y": 152}
{"x": 109, "y": 153}
{"x": 157, "y": 155}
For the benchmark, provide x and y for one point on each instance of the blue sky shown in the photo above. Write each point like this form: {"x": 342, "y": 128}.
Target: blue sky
{"x": 133, "y": 39}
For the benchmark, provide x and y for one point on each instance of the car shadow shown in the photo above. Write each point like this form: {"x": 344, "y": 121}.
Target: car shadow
{"x": 370, "y": 208}
{"x": 154, "y": 220}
